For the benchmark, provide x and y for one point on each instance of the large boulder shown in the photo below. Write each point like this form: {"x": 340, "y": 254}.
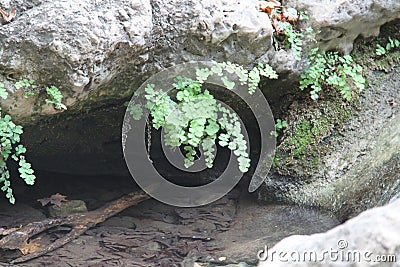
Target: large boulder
{"x": 99, "y": 52}
{"x": 95, "y": 51}
{"x": 370, "y": 239}
{"x": 358, "y": 164}
{"x": 341, "y": 22}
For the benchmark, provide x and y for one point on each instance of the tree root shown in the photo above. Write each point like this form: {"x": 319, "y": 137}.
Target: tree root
{"x": 21, "y": 238}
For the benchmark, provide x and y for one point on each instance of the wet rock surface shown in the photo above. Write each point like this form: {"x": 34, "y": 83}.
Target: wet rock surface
{"x": 371, "y": 238}
{"x": 263, "y": 225}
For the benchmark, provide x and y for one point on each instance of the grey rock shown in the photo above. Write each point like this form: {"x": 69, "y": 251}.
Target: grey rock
{"x": 360, "y": 169}
{"x": 99, "y": 52}
{"x": 67, "y": 208}
{"x": 341, "y": 22}
{"x": 373, "y": 233}
{"x": 76, "y": 45}
{"x": 82, "y": 46}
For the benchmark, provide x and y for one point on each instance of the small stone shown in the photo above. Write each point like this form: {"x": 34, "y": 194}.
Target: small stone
{"x": 152, "y": 246}
{"x": 202, "y": 225}
{"x": 223, "y": 258}
{"x": 67, "y": 208}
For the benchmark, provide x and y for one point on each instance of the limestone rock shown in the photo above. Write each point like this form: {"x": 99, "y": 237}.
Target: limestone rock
{"x": 360, "y": 168}
{"x": 341, "y": 22}
{"x": 94, "y": 49}
{"x": 373, "y": 233}
{"x": 99, "y": 52}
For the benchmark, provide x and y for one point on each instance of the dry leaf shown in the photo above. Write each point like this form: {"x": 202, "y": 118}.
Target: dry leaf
{"x": 54, "y": 199}
{"x": 268, "y": 6}
{"x": 8, "y": 18}
{"x": 292, "y": 18}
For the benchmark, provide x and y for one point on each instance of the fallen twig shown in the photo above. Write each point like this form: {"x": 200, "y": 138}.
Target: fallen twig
{"x": 20, "y": 238}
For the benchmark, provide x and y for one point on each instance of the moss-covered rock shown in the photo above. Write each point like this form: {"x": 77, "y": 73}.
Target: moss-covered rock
{"x": 67, "y": 208}
{"x": 365, "y": 49}
{"x": 335, "y": 156}
{"x": 306, "y": 139}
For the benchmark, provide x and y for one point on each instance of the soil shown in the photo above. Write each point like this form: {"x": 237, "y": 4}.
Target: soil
{"x": 229, "y": 231}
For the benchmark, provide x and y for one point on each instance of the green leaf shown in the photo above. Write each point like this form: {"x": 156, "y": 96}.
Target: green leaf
{"x": 232, "y": 145}
{"x": 244, "y": 164}
{"x": 314, "y": 96}
{"x": 18, "y": 129}
{"x": 3, "y": 91}
{"x": 202, "y": 74}
{"x": 268, "y": 71}
{"x": 304, "y": 15}
{"x": 212, "y": 127}
{"x": 55, "y": 97}
{"x": 380, "y": 50}
{"x": 217, "y": 69}
{"x": 135, "y": 111}
{"x": 192, "y": 117}
{"x": 292, "y": 11}
{"x": 228, "y": 84}
{"x": 223, "y": 143}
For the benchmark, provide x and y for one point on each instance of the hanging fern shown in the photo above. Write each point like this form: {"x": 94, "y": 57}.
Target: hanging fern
{"x": 10, "y": 137}
{"x": 180, "y": 118}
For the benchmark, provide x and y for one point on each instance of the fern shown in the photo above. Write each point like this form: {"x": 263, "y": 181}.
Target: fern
{"x": 55, "y": 97}
{"x": 12, "y": 148}
{"x": 180, "y": 118}
{"x": 331, "y": 69}
{"x": 10, "y": 137}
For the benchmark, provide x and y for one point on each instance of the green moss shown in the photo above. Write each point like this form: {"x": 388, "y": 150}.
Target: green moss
{"x": 388, "y": 61}
{"x": 301, "y": 139}
{"x": 307, "y": 134}
{"x": 276, "y": 161}
{"x": 307, "y": 137}
{"x": 364, "y": 53}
